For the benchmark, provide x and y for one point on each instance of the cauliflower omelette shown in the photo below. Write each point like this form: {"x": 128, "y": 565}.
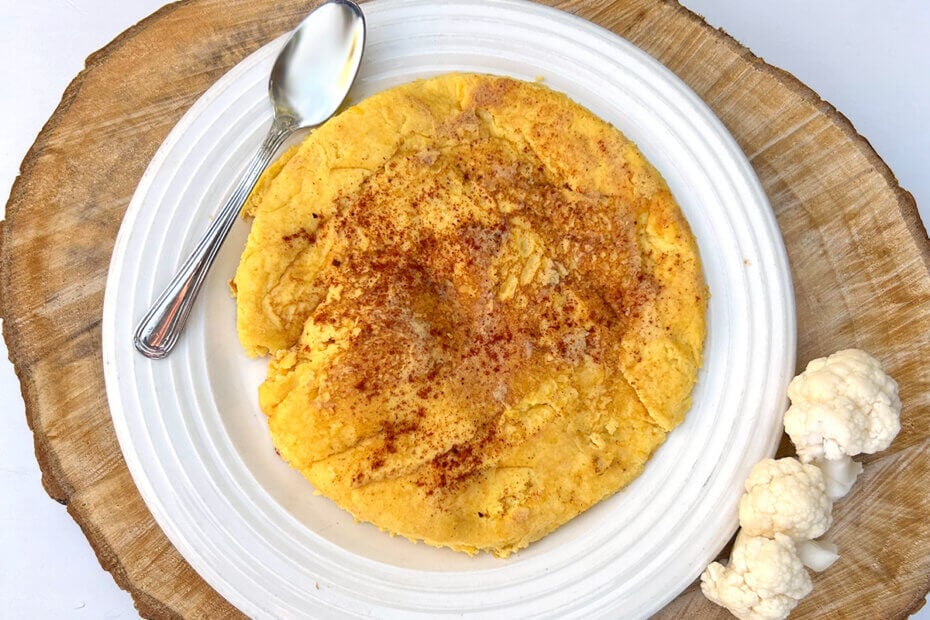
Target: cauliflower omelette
{"x": 483, "y": 307}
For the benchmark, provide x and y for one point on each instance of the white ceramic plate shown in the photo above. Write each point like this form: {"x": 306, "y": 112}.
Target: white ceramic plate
{"x": 197, "y": 444}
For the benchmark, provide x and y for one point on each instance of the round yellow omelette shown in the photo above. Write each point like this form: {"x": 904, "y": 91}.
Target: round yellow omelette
{"x": 483, "y": 307}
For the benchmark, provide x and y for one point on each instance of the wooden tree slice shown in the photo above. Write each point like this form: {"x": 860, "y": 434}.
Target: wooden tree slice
{"x": 859, "y": 254}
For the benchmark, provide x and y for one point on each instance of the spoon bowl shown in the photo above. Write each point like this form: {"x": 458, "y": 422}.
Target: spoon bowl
{"x": 309, "y": 81}
{"x": 332, "y": 38}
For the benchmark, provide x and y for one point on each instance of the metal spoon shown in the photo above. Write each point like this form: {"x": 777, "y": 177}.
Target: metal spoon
{"x": 309, "y": 81}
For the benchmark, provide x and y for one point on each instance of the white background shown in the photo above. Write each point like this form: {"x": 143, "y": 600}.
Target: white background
{"x": 870, "y": 59}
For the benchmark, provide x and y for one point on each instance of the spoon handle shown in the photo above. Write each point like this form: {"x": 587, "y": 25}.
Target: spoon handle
{"x": 159, "y": 330}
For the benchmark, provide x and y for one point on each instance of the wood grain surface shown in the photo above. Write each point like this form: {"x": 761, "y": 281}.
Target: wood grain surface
{"x": 859, "y": 255}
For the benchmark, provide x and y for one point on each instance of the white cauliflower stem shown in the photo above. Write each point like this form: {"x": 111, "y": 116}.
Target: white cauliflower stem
{"x": 786, "y": 497}
{"x": 764, "y": 579}
{"x": 817, "y": 555}
{"x": 840, "y": 475}
{"x": 842, "y": 405}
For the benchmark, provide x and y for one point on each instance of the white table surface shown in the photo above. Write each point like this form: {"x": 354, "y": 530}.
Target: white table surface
{"x": 870, "y": 59}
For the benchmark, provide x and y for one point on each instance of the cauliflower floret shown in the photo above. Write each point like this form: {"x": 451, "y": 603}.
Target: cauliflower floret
{"x": 841, "y": 406}
{"x": 764, "y": 579}
{"x": 787, "y": 497}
